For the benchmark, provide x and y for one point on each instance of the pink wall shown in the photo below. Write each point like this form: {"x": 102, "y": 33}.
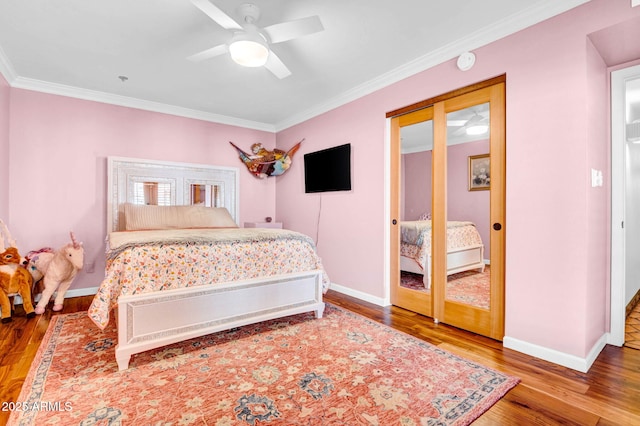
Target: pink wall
{"x": 4, "y": 150}
{"x": 351, "y": 228}
{"x": 58, "y": 156}
{"x": 556, "y": 266}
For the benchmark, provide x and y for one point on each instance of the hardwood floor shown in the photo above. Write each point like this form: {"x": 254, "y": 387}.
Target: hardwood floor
{"x": 19, "y": 342}
{"x": 609, "y": 394}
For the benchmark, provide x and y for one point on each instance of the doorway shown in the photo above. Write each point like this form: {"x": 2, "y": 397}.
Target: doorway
{"x": 625, "y": 196}
{"x": 447, "y": 208}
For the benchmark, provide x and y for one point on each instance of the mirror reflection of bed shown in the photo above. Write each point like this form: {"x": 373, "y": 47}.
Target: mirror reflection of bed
{"x": 468, "y": 269}
{"x": 468, "y": 277}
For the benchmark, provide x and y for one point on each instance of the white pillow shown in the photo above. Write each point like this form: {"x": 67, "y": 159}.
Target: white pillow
{"x": 141, "y": 217}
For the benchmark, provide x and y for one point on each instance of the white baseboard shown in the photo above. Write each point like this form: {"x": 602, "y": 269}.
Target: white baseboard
{"x": 77, "y": 292}
{"x": 360, "y": 295}
{"x": 74, "y": 292}
{"x": 615, "y": 340}
{"x": 566, "y": 360}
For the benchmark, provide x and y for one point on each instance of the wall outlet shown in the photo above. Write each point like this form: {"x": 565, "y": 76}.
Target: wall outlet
{"x": 91, "y": 267}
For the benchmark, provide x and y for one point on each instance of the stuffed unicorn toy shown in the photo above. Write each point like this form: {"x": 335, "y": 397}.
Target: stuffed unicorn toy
{"x": 58, "y": 269}
{"x": 14, "y": 278}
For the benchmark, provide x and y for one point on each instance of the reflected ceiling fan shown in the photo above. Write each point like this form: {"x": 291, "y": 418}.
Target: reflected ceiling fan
{"x": 249, "y": 45}
{"x": 476, "y": 125}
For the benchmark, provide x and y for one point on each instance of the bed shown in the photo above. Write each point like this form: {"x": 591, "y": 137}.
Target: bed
{"x": 179, "y": 267}
{"x": 465, "y": 250}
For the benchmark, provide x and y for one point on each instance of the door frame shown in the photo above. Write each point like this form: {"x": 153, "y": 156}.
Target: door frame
{"x": 618, "y": 190}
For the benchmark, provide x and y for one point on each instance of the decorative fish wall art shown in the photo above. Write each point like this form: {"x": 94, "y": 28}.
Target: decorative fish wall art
{"x": 263, "y": 163}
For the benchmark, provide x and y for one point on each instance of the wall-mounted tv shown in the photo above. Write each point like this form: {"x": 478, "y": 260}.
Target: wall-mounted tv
{"x": 328, "y": 170}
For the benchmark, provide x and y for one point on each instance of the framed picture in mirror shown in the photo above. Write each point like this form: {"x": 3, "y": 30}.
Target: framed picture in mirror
{"x": 479, "y": 172}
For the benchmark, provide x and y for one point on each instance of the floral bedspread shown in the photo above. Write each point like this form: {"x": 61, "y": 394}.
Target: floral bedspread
{"x": 416, "y": 238}
{"x": 146, "y": 261}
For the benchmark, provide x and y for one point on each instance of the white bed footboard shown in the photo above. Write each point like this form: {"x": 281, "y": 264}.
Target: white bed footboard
{"x": 148, "y": 321}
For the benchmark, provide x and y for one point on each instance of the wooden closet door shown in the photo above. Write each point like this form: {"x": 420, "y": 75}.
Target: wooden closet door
{"x": 487, "y": 98}
{"x": 470, "y": 313}
{"x": 418, "y": 126}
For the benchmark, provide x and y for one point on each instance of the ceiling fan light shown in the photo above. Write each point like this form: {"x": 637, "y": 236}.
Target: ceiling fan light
{"x": 248, "y": 52}
{"x": 477, "y": 129}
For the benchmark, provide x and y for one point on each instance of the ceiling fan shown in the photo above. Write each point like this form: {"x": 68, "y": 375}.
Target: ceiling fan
{"x": 249, "y": 45}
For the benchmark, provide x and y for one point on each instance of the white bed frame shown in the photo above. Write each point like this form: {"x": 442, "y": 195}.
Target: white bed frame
{"x": 152, "y": 320}
{"x": 149, "y": 321}
{"x": 458, "y": 260}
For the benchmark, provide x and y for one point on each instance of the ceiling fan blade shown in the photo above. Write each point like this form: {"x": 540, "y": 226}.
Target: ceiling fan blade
{"x": 293, "y": 29}
{"x": 209, "y": 53}
{"x": 475, "y": 120}
{"x": 276, "y": 66}
{"x": 212, "y": 11}
{"x": 460, "y": 131}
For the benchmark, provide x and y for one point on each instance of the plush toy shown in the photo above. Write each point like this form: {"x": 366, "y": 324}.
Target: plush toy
{"x": 263, "y": 163}
{"x": 58, "y": 269}
{"x": 29, "y": 262}
{"x": 14, "y": 278}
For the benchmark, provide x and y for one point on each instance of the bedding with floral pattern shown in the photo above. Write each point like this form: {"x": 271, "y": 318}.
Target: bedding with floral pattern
{"x": 147, "y": 261}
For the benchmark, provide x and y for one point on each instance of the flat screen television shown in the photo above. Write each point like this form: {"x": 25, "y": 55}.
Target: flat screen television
{"x": 328, "y": 170}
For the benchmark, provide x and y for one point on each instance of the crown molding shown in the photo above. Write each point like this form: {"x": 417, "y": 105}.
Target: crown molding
{"x": 15, "y": 81}
{"x": 533, "y": 15}
{"x": 96, "y": 96}
{"x": 6, "y": 68}
{"x": 483, "y": 37}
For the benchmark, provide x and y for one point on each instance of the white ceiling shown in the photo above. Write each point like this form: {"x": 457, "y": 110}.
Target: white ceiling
{"x": 80, "y": 48}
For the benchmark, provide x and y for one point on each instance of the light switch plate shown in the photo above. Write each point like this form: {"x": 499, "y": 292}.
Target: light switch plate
{"x": 596, "y": 178}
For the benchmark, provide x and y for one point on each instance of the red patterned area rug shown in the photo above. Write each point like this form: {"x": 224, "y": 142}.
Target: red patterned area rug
{"x": 342, "y": 369}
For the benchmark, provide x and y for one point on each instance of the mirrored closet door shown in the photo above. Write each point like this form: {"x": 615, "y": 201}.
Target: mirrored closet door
{"x": 447, "y": 232}
{"x": 412, "y": 152}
